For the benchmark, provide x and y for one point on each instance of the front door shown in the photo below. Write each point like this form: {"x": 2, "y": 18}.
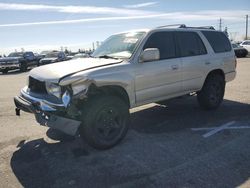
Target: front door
{"x": 159, "y": 79}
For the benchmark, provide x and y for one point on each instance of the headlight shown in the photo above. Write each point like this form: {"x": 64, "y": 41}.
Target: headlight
{"x": 79, "y": 88}
{"x": 53, "y": 89}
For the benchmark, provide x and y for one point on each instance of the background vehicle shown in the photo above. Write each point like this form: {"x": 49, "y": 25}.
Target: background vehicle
{"x": 246, "y": 44}
{"x": 80, "y": 55}
{"x": 18, "y": 60}
{"x": 239, "y": 50}
{"x": 92, "y": 96}
{"x": 53, "y": 57}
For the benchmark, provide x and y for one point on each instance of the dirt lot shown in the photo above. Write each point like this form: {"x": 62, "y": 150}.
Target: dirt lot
{"x": 160, "y": 150}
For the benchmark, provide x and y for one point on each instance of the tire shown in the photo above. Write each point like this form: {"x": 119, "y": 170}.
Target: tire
{"x": 212, "y": 93}
{"x": 105, "y": 121}
{"x": 5, "y": 71}
{"x": 23, "y": 67}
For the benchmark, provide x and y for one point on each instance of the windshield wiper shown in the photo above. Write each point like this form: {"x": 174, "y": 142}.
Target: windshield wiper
{"x": 107, "y": 57}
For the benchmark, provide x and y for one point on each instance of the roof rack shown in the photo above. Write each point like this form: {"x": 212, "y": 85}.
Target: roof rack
{"x": 184, "y": 26}
{"x": 201, "y": 27}
{"x": 173, "y": 25}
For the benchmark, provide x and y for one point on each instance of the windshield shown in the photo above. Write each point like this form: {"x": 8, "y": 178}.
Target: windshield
{"x": 15, "y": 54}
{"x": 52, "y": 54}
{"x": 119, "y": 46}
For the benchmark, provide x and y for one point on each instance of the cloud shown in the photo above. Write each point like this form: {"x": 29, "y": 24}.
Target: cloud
{"x": 141, "y": 5}
{"x": 85, "y": 20}
{"x": 71, "y": 9}
{"x": 173, "y": 16}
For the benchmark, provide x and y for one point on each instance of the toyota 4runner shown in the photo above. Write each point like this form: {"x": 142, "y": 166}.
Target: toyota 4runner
{"x": 92, "y": 96}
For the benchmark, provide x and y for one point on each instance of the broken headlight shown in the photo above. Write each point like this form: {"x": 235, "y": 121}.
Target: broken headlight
{"x": 53, "y": 89}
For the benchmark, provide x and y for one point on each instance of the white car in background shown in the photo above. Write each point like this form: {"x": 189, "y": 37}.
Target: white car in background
{"x": 246, "y": 44}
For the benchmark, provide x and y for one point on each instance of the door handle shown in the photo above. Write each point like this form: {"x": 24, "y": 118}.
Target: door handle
{"x": 174, "y": 67}
{"x": 207, "y": 63}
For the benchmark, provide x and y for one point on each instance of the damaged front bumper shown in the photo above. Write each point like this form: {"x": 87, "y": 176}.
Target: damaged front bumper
{"x": 46, "y": 113}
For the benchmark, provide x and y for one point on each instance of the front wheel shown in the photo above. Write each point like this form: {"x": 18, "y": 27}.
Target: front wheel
{"x": 23, "y": 67}
{"x": 212, "y": 93}
{"x": 5, "y": 71}
{"x": 105, "y": 121}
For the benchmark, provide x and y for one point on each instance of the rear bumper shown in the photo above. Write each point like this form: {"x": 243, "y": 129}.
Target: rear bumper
{"x": 230, "y": 76}
{"x": 46, "y": 113}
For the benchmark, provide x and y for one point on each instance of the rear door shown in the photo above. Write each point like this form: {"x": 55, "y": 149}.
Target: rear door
{"x": 194, "y": 58}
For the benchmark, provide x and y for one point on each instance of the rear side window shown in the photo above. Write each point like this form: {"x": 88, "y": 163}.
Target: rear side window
{"x": 218, "y": 41}
{"x": 164, "y": 41}
{"x": 190, "y": 44}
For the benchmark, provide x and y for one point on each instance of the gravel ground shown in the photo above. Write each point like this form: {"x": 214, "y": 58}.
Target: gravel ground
{"x": 160, "y": 149}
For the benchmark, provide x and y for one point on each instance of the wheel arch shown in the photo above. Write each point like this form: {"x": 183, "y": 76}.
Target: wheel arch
{"x": 115, "y": 90}
{"x": 216, "y": 71}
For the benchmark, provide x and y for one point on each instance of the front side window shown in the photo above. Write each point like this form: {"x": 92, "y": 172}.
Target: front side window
{"x": 218, "y": 41}
{"x": 164, "y": 41}
{"x": 190, "y": 44}
{"x": 120, "y": 45}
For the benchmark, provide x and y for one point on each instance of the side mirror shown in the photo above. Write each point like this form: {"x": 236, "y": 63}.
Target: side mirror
{"x": 150, "y": 54}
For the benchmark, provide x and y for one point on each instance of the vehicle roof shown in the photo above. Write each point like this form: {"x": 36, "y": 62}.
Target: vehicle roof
{"x": 134, "y": 30}
{"x": 169, "y": 29}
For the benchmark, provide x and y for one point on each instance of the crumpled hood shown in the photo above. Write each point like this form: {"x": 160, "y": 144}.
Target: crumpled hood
{"x": 7, "y": 59}
{"x": 53, "y": 72}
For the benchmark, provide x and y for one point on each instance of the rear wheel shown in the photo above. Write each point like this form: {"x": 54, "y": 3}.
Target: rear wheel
{"x": 105, "y": 121}
{"x": 212, "y": 93}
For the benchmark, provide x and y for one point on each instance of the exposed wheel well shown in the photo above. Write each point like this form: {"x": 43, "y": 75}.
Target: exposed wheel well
{"x": 216, "y": 71}
{"x": 109, "y": 90}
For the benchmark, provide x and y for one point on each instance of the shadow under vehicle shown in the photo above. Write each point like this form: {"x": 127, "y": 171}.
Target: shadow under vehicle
{"x": 159, "y": 145}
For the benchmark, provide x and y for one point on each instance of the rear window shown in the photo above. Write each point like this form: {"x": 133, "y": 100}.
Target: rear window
{"x": 218, "y": 41}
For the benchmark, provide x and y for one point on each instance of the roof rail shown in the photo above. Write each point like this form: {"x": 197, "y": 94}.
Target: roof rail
{"x": 201, "y": 27}
{"x": 186, "y": 27}
{"x": 173, "y": 25}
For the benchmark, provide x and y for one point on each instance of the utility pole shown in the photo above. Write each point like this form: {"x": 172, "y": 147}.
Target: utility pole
{"x": 246, "y": 27}
{"x": 220, "y": 24}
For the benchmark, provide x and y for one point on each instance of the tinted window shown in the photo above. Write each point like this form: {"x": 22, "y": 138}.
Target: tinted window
{"x": 218, "y": 41}
{"x": 28, "y": 54}
{"x": 164, "y": 41}
{"x": 246, "y": 43}
{"x": 190, "y": 44}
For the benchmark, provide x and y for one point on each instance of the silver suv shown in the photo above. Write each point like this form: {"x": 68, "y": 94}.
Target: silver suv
{"x": 92, "y": 96}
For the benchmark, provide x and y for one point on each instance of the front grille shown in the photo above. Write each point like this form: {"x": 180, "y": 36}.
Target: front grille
{"x": 37, "y": 86}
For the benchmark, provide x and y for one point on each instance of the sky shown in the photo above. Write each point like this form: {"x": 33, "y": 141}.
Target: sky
{"x": 39, "y": 25}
